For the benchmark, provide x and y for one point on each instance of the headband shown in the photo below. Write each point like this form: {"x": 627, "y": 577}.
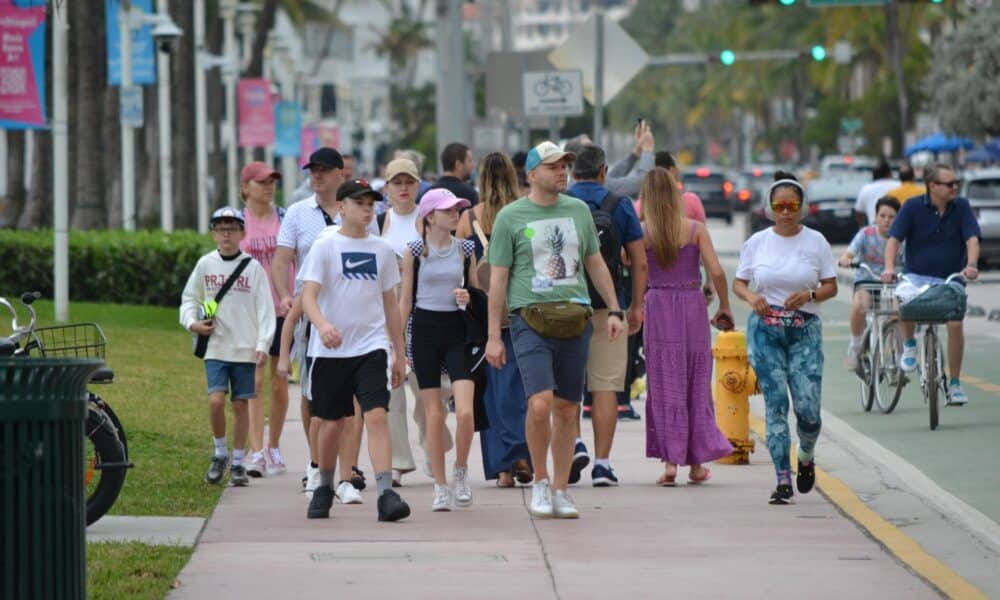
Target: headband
{"x": 781, "y": 182}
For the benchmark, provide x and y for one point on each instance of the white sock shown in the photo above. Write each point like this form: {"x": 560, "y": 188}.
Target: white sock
{"x": 604, "y": 462}
{"x": 220, "y": 447}
{"x": 237, "y": 457}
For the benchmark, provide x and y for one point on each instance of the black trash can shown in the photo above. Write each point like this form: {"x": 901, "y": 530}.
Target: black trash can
{"x": 42, "y": 537}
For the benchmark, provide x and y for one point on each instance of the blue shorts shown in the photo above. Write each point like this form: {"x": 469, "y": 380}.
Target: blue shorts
{"x": 221, "y": 374}
{"x": 549, "y": 363}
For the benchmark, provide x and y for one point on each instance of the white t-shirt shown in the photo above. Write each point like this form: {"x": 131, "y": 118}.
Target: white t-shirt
{"x": 869, "y": 194}
{"x": 778, "y": 266}
{"x": 353, "y": 274}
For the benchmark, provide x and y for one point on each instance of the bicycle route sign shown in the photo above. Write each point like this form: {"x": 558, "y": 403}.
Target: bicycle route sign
{"x": 553, "y": 93}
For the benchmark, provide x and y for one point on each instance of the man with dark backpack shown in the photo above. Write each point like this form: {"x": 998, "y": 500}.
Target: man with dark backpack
{"x": 618, "y": 229}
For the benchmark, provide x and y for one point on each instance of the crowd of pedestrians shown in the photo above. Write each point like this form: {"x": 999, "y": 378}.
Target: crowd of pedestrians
{"x": 509, "y": 302}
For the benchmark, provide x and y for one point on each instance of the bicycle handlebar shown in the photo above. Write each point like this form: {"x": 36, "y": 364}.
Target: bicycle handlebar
{"x": 27, "y": 299}
{"x": 864, "y": 267}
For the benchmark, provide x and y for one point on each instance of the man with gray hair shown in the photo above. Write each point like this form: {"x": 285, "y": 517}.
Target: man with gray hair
{"x": 617, "y": 228}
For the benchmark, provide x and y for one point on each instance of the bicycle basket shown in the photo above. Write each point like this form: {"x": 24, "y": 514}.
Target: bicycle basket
{"x": 882, "y": 300}
{"x": 937, "y": 304}
{"x": 80, "y": 340}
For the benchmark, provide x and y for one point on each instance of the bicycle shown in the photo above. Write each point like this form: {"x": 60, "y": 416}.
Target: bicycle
{"x": 106, "y": 456}
{"x": 930, "y": 357}
{"x": 552, "y": 83}
{"x": 882, "y": 379}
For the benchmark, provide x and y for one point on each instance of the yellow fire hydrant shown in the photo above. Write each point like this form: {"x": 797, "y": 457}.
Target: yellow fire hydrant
{"x": 733, "y": 384}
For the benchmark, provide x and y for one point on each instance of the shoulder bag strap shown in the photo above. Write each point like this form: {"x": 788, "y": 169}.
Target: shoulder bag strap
{"x": 232, "y": 279}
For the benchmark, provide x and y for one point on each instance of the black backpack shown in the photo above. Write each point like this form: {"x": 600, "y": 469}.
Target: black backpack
{"x": 611, "y": 246}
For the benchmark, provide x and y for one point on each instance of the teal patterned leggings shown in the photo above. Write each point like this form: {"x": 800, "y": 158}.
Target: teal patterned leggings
{"x": 788, "y": 360}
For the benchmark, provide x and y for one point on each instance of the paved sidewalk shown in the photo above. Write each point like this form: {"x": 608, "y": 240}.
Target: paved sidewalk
{"x": 639, "y": 541}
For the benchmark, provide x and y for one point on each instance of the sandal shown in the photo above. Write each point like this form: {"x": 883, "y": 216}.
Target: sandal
{"x": 505, "y": 480}
{"x": 692, "y": 480}
{"x": 523, "y": 472}
{"x": 666, "y": 480}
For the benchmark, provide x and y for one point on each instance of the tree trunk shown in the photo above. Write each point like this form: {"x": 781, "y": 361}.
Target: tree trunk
{"x": 147, "y": 167}
{"x": 182, "y": 129}
{"x": 38, "y": 207}
{"x": 265, "y": 21}
{"x": 14, "y": 202}
{"x": 896, "y": 60}
{"x": 87, "y": 141}
{"x": 111, "y": 155}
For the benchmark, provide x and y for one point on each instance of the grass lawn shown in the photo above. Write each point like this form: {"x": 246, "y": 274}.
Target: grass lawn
{"x": 159, "y": 395}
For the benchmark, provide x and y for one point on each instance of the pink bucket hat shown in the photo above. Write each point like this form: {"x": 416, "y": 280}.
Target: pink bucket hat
{"x": 440, "y": 199}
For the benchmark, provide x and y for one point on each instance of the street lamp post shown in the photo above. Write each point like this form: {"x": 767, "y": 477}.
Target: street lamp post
{"x": 127, "y": 135}
{"x": 200, "y": 114}
{"x": 163, "y": 109}
{"x": 227, "y": 10}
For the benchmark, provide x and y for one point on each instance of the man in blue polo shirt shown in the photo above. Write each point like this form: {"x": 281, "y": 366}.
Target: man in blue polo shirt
{"x": 942, "y": 237}
{"x": 617, "y": 227}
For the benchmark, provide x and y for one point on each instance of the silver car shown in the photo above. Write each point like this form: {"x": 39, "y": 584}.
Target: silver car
{"x": 982, "y": 188}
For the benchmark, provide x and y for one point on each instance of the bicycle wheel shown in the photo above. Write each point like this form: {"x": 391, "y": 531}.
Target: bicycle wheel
{"x": 888, "y": 376}
{"x": 931, "y": 375}
{"x": 864, "y": 371}
{"x": 104, "y": 465}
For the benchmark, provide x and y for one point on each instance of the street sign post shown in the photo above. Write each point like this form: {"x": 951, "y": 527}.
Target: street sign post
{"x": 130, "y": 103}
{"x": 553, "y": 93}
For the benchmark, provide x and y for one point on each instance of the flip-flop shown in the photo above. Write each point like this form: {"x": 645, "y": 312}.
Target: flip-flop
{"x": 665, "y": 481}
{"x": 522, "y": 472}
{"x": 699, "y": 480}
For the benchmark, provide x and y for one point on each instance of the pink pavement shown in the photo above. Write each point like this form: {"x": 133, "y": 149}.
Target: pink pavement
{"x": 718, "y": 540}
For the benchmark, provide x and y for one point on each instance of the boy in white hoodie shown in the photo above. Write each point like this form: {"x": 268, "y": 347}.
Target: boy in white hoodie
{"x": 240, "y": 327}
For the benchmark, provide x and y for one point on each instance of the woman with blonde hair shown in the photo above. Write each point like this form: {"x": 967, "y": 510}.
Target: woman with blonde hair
{"x": 505, "y": 451}
{"x": 680, "y": 417}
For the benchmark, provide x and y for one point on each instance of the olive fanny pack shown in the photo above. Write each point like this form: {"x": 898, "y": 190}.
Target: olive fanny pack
{"x": 560, "y": 320}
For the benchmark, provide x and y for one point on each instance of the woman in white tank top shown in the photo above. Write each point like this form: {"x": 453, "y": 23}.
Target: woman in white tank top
{"x": 402, "y": 185}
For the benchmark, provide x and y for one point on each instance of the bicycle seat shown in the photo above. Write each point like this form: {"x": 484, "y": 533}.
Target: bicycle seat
{"x": 103, "y": 375}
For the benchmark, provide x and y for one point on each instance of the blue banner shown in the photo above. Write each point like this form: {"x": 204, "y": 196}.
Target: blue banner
{"x": 288, "y": 128}
{"x": 143, "y": 46}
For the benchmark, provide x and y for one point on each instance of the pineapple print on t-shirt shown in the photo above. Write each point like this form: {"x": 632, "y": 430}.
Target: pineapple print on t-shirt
{"x": 556, "y": 251}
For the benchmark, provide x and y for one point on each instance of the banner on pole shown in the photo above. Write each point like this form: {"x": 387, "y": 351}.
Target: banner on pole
{"x": 288, "y": 128}
{"x": 143, "y": 47}
{"x": 22, "y": 65}
{"x": 309, "y": 143}
{"x": 256, "y": 113}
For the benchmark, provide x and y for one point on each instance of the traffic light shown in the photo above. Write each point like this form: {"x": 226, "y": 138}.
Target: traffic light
{"x": 818, "y": 53}
{"x": 727, "y": 57}
{"x": 779, "y": 2}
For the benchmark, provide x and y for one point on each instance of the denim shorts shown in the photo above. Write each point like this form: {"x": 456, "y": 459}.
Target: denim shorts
{"x": 549, "y": 363}
{"x": 221, "y": 374}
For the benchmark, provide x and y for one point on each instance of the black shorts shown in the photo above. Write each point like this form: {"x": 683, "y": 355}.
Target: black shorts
{"x": 276, "y": 340}
{"x": 335, "y": 382}
{"x": 438, "y": 338}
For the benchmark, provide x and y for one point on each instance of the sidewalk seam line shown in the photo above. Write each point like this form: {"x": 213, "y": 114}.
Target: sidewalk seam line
{"x": 541, "y": 545}
{"x": 907, "y": 550}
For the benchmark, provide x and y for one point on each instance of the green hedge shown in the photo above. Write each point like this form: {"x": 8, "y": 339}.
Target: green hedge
{"x": 143, "y": 267}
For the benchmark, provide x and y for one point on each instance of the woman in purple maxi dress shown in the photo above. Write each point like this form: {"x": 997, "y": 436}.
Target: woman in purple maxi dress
{"x": 680, "y": 416}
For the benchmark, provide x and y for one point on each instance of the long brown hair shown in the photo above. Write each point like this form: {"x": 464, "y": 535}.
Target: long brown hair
{"x": 497, "y": 186}
{"x": 662, "y": 212}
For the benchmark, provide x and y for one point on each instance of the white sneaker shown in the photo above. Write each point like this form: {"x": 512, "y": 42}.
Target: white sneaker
{"x": 397, "y": 478}
{"x": 348, "y": 494}
{"x": 956, "y": 395}
{"x": 563, "y": 507}
{"x": 275, "y": 463}
{"x": 541, "y": 500}
{"x": 256, "y": 466}
{"x": 851, "y": 359}
{"x": 460, "y": 481}
{"x": 312, "y": 480}
{"x": 908, "y": 359}
{"x": 442, "y": 498}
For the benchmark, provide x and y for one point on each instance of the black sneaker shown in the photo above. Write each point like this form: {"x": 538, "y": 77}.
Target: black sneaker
{"x": 806, "y": 477}
{"x": 357, "y": 478}
{"x": 217, "y": 469}
{"x": 580, "y": 461}
{"x": 238, "y": 476}
{"x": 319, "y": 506}
{"x": 782, "y": 494}
{"x": 391, "y": 507}
{"x": 603, "y": 476}
{"x": 585, "y": 412}
{"x": 629, "y": 414}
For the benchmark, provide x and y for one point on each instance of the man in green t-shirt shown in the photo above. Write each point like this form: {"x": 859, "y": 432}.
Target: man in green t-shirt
{"x": 539, "y": 248}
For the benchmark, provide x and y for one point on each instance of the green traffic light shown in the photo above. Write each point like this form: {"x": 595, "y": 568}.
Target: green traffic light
{"x": 787, "y": 2}
{"x": 818, "y": 53}
{"x": 727, "y": 57}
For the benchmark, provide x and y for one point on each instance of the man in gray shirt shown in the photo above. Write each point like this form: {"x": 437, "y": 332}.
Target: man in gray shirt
{"x": 625, "y": 177}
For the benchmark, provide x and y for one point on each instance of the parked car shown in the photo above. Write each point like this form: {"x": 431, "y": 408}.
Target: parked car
{"x": 830, "y": 209}
{"x": 758, "y": 179}
{"x": 743, "y": 191}
{"x": 714, "y": 189}
{"x": 982, "y": 188}
{"x": 846, "y": 165}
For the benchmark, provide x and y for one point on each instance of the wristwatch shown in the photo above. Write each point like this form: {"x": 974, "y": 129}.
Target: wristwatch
{"x": 812, "y": 295}
{"x": 617, "y": 313}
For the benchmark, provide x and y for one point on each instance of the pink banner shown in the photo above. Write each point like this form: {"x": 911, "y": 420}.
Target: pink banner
{"x": 256, "y": 112}
{"x": 22, "y": 60}
{"x": 309, "y": 143}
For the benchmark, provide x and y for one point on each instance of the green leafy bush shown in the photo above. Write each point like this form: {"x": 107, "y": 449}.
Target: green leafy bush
{"x": 143, "y": 267}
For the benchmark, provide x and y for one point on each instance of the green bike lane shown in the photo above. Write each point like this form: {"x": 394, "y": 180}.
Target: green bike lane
{"x": 956, "y": 456}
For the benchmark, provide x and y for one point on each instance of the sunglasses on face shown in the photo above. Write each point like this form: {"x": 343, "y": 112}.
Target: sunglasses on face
{"x": 790, "y": 207}
{"x": 953, "y": 184}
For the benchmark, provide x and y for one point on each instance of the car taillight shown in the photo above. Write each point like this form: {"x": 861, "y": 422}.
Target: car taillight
{"x": 813, "y": 209}
{"x": 727, "y": 187}
{"x": 744, "y": 195}
{"x": 702, "y": 172}
{"x": 758, "y": 172}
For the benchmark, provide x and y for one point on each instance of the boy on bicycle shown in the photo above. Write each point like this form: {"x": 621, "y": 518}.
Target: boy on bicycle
{"x": 942, "y": 238}
{"x": 868, "y": 247}
{"x": 240, "y": 327}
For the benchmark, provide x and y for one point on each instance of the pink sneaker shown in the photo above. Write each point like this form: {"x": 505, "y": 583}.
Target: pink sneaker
{"x": 256, "y": 465}
{"x": 275, "y": 464}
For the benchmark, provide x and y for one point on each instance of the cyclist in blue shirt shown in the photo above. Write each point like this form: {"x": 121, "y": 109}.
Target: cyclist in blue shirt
{"x": 942, "y": 237}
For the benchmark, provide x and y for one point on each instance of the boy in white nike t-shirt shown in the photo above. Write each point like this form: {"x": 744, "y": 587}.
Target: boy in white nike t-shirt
{"x": 348, "y": 293}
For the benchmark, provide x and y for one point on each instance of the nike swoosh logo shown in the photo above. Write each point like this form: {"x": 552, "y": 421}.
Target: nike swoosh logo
{"x": 354, "y": 265}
